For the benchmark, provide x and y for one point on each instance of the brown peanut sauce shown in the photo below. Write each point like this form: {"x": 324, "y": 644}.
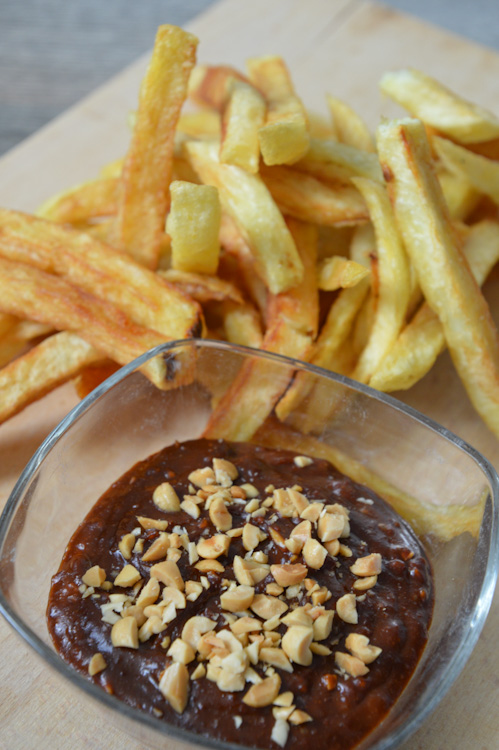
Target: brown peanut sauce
{"x": 395, "y": 614}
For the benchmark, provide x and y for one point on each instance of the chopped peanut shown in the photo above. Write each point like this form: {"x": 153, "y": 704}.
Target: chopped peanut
{"x": 359, "y": 646}
{"x": 350, "y": 664}
{"x": 126, "y": 545}
{"x": 158, "y": 548}
{"x": 296, "y": 644}
{"x": 289, "y": 574}
{"x": 238, "y": 598}
{"x": 96, "y": 664}
{"x": 346, "y": 608}
{"x": 174, "y": 685}
{"x": 248, "y": 572}
{"x": 94, "y": 576}
{"x": 268, "y": 607}
{"x": 165, "y": 498}
{"x": 128, "y": 576}
{"x": 149, "y": 593}
{"x": 168, "y": 573}
{"x": 219, "y": 515}
{"x": 214, "y": 546}
{"x": 367, "y": 566}
{"x": 264, "y": 693}
{"x": 314, "y": 554}
{"x": 125, "y": 633}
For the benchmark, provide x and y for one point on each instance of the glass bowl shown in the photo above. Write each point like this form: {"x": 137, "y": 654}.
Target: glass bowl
{"x": 446, "y": 490}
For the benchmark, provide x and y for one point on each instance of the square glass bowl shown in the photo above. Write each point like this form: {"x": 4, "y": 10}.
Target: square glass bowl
{"x": 446, "y": 490}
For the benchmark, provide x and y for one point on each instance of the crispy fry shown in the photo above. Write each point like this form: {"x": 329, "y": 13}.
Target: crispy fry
{"x": 306, "y": 198}
{"x": 246, "y": 199}
{"x": 209, "y": 85}
{"x": 15, "y": 341}
{"x": 444, "y": 274}
{"x": 339, "y": 273}
{"x": 49, "y": 299}
{"x": 349, "y": 127}
{"x": 193, "y": 225}
{"x": 284, "y": 138}
{"x": 242, "y": 325}
{"x": 394, "y": 280}
{"x": 203, "y": 288}
{"x": 148, "y": 165}
{"x": 420, "y": 343}
{"x": 83, "y": 202}
{"x": 460, "y": 196}
{"x": 243, "y": 117}
{"x": 205, "y": 124}
{"x": 439, "y": 107}
{"x": 99, "y": 269}
{"x": 291, "y": 326}
{"x": 480, "y": 172}
{"x": 53, "y": 362}
{"x": 329, "y": 160}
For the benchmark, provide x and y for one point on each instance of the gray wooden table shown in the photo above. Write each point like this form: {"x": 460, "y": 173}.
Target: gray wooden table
{"x": 53, "y": 52}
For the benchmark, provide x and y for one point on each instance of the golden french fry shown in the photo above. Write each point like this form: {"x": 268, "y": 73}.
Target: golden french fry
{"x": 83, "y": 202}
{"x": 148, "y": 165}
{"x": 15, "y": 341}
{"x": 49, "y": 364}
{"x": 439, "y": 107}
{"x": 422, "y": 340}
{"x": 243, "y": 116}
{"x": 246, "y": 199}
{"x": 242, "y": 325}
{"x": 204, "y": 124}
{"x": 320, "y": 127}
{"x": 349, "y": 127}
{"x": 203, "y": 288}
{"x": 209, "y": 85}
{"x": 306, "y": 198}
{"x": 27, "y": 291}
{"x": 327, "y": 352}
{"x": 284, "y": 138}
{"x": 443, "y": 272}
{"x": 460, "y": 196}
{"x": 339, "y": 273}
{"x": 193, "y": 225}
{"x": 442, "y": 521}
{"x": 394, "y": 280}
{"x": 291, "y": 326}
{"x": 480, "y": 172}
{"x": 101, "y": 270}
{"x": 329, "y": 160}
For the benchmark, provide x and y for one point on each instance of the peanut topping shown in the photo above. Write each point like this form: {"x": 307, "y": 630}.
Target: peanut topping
{"x": 126, "y": 545}
{"x": 128, "y": 576}
{"x": 214, "y": 546}
{"x": 237, "y": 599}
{"x": 276, "y": 657}
{"x": 367, "y": 566}
{"x": 350, "y": 664}
{"x": 94, "y": 576}
{"x": 200, "y": 477}
{"x": 97, "y": 664}
{"x": 248, "y": 572}
{"x": 296, "y": 644}
{"x": 149, "y": 593}
{"x": 194, "y": 628}
{"x": 219, "y": 515}
{"x": 268, "y": 607}
{"x": 125, "y": 633}
{"x": 323, "y": 626}
{"x": 181, "y": 652}
{"x": 289, "y": 574}
{"x": 330, "y": 526}
{"x": 264, "y": 693}
{"x": 174, "y": 685}
{"x": 314, "y": 554}
{"x": 246, "y": 625}
{"x": 222, "y": 465}
{"x": 346, "y": 608}
{"x": 158, "y": 548}
{"x": 299, "y": 717}
{"x": 359, "y": 646}
{"x": 165, "y": 498}
{"x": 205, "y": 566}
{"x": 363, "y": 584}
{"x": 168, "y": 573}
{"x": 302, "y": 461}
{"x": 152, "y": 523}
{"x": 252, "y": 536}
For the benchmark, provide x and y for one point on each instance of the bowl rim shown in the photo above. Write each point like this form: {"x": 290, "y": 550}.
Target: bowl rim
{"x": 421, "y": 708}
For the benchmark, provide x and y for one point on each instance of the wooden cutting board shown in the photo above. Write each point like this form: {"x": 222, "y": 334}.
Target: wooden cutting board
{"x": 340, "y": 46}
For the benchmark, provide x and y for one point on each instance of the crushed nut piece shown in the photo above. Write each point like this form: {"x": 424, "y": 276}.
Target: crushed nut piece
{"x": 152, "y": 523}
{"x": 165, "y": 498}
{"x": 367, "y": 566}
{"x": 302, "y": 461}
{"x": 288, "y": 574}
{"x": 174, "y": 685}
{"x": 280, "y": 732}
{"x": 296, "y": 644}
{"x": 237, "y": 599}
{"x": 248, "y": 572}
{"x": 126, "y": 545}
{"x": 323, "y": 626}
{"x": 314, "y": 554}
{"x": 96, "y": 664}
{"x": 268, "y": 607}
{"x": 364, "y": 584}
{"x": 94, "y": 576}
{"x": 359, "y": 646}
{"x": 158, "y": 548}
{"x": 214, "y": 546}
{"x": 252, "y": 536}
{"x": 149, "y": 593}
{"x": 125, "y": 633}
{"x": 264, "y": 693}
{"x": 199, "y": 672}
{"x": 194, "y": 628}
{"x": 350, "y": 664}
{"x": 200, "y": 477}
{"x": 277, "y": 658}
{"x": 181, "y": 652}
{"x": 190, "y": 507}
{"x": 127, "y": 577}
{"x": 168, "y": 573}
{"x": 346, "y": 607}
{"x": 209, "y": 566}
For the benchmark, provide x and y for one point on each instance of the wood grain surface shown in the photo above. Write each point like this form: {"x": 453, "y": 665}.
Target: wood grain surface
{"x": 341, "y": 46}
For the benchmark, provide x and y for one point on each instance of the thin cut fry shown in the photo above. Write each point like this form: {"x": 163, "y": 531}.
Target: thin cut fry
{"x": 246, "y": 199}
{"x": 242, "y": 325}
{"x": 83, "y": 202}
{"x": 349, "y": 127}
{"x": 148, "y": 164}
{"x": 460, "y": 196}
{"x": 394, "y": 280}
{"x": 291, "y": 326}
{"x": 101, "y": 270}
{"x": 416, "y": 349}
{"x": 204, "y": 124}
{"x": 203, "y": 288}
{"x": 334, "y": 161}
{"x": 27, "y": 291}
{"x": 443, "y": 272}
{"x": 209, "y": 85}
{"x": 339, "y": 273}
{"x": 53, "y": 362}
{"x": 480, "y": 172}
{"x": 243, "y": 117}
{"x": 439, "y": 107}
{"x": 306, "y": 198}
{"x": 193, "y": 225}
{"x": 284, "y": 138}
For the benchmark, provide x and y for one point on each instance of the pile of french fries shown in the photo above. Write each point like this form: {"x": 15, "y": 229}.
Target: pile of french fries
{"x": 246, "y": 218}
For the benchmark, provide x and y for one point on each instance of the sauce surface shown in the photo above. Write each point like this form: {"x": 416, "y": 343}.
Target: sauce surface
{"x": 394, "y": 612}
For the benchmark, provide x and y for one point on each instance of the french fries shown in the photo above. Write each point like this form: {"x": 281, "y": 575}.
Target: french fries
{"x": 148, "y": 165}
{"x": 442, "y": 270}
{"x": 255, "y": 221}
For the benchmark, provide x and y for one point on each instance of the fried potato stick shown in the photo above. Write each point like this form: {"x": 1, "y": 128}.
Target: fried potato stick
{"x": 329, "y": 160}
{"x": 418, "y": 346}
{"x": 350, "y": 128}
{"x": 480, "y": 172}
{"x": 29, "y": 292}
{"x": 203, "y": 288}
{"x": 339, "y": 273}
{"x": 439, "y": 107}
{"x": 446, "y": 280}
{"x": 291, "y": 326}
{"x": 49, "y": 364}
{"x": 248, "y": 202}
{"x": 243, "y": 117}
{"x": 101, "y": 270}
{"x": 89, "y": 200}
{"x": 147, "y": 170}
